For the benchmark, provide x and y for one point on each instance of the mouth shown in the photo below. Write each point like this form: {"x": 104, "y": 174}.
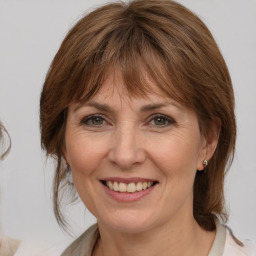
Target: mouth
{"x": 128, "y": 187}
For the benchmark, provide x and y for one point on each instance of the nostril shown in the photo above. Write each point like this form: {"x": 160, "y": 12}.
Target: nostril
{"x": 127, "y": 159}
{"x": 125, "y": 151}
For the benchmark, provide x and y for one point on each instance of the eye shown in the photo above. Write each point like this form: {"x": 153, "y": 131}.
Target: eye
{"x": 161, "y": 120}
{"x": 94, "y": 120}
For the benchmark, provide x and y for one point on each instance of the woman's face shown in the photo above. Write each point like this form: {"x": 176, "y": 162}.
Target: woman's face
{"x": 134, "y": 159}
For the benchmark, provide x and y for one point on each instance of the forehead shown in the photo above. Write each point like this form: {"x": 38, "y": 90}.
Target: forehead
{"x": 117, "y": 84}
{"x": 114, "y": 87}
{"x": 114, "y": 95}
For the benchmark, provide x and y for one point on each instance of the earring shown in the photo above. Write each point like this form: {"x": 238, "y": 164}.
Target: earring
{"x": 69, "y": 175}
{"x": 205, "y": 164}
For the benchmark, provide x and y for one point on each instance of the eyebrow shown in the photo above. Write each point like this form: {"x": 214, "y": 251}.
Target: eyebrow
{"x": 107, "y": 108}
{"x": 102, "y": 107}
{"x": 151, "y": 107}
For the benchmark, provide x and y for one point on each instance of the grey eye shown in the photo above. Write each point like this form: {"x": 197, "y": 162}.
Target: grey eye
{"x": 160, "y": 121}
{"x": 97, "y": 120}
{"x": 94, "y": 121}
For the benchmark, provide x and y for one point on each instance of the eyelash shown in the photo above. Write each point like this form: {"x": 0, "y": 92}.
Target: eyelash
{"x": 89, "y": 119}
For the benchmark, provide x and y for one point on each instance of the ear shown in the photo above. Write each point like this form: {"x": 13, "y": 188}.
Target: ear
{"x": 209, "y": 144}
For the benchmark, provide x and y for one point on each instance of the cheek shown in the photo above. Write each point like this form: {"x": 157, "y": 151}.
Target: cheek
{"x": 85, "y": 157}
{"x": 176, "y": 155}
{"x": 85, "y": 154}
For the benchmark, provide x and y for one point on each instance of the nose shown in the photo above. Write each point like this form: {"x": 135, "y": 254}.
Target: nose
{"x": 127, "y": 148}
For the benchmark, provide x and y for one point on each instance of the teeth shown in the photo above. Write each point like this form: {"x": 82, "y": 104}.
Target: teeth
{"x": 122, "y": 187}
{"x": 139, "y": 186}
{"x": 144, "y": 185}
{"x": 115, "y": 186}
{"x": 110, "y": 185}
{"x": 131, "y": 187}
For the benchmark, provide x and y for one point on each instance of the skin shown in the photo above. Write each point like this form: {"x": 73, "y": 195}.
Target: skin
{"x": 127, "y": 138}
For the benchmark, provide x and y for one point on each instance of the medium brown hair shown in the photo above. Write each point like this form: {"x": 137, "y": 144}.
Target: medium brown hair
{"x": 171, "y": 45}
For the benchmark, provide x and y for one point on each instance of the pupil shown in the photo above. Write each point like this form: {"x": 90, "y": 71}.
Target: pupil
{"x": 160, "y": 121}
{"x": 97, "y": 120}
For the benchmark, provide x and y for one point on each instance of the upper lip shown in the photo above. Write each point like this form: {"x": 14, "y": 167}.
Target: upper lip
{"x": 128, "y": 180}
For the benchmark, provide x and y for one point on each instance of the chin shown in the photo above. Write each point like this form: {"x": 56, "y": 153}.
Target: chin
{"x": 129, "y": 222}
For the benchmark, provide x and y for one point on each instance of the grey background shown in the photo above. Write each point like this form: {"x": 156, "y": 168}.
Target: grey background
{"x": 30, "y": 34}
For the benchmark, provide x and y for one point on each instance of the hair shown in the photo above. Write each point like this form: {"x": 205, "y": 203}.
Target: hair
{"x": 4, "y": 151}
{"x": 160, "y": 39}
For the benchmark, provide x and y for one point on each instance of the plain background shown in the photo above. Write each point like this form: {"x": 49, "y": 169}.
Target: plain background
{"x": 30, "y": 34}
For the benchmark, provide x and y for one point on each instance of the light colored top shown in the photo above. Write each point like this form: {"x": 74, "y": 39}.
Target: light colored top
{"x": 84, "y": 245}
{"x": 9, "y": 246}
{"x": 225, "y": 244}
{"x": 219, "y": 241}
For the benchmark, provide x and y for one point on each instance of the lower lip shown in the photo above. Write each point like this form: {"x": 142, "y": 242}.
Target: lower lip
{"x": 128, "y": 197}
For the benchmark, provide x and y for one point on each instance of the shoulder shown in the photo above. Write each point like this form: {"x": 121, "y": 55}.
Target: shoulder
{"x": 84, "y": 244}
{"x": 238, "y": 247}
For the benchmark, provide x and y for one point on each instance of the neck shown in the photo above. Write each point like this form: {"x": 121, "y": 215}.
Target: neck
{"x": 185, "y": 238}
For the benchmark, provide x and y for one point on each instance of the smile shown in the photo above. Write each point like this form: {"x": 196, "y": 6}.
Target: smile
{"x": 130, "y": 187}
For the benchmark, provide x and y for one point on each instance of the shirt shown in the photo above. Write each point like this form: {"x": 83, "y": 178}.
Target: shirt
{"x": 225, "y": 244}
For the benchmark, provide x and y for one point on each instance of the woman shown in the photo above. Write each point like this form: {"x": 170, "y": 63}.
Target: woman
{"x": 8, "y": 246}
{"x": 138, "y": 108}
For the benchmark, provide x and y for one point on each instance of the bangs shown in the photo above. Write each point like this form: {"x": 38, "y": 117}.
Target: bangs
{"x": 137, "y": 57}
